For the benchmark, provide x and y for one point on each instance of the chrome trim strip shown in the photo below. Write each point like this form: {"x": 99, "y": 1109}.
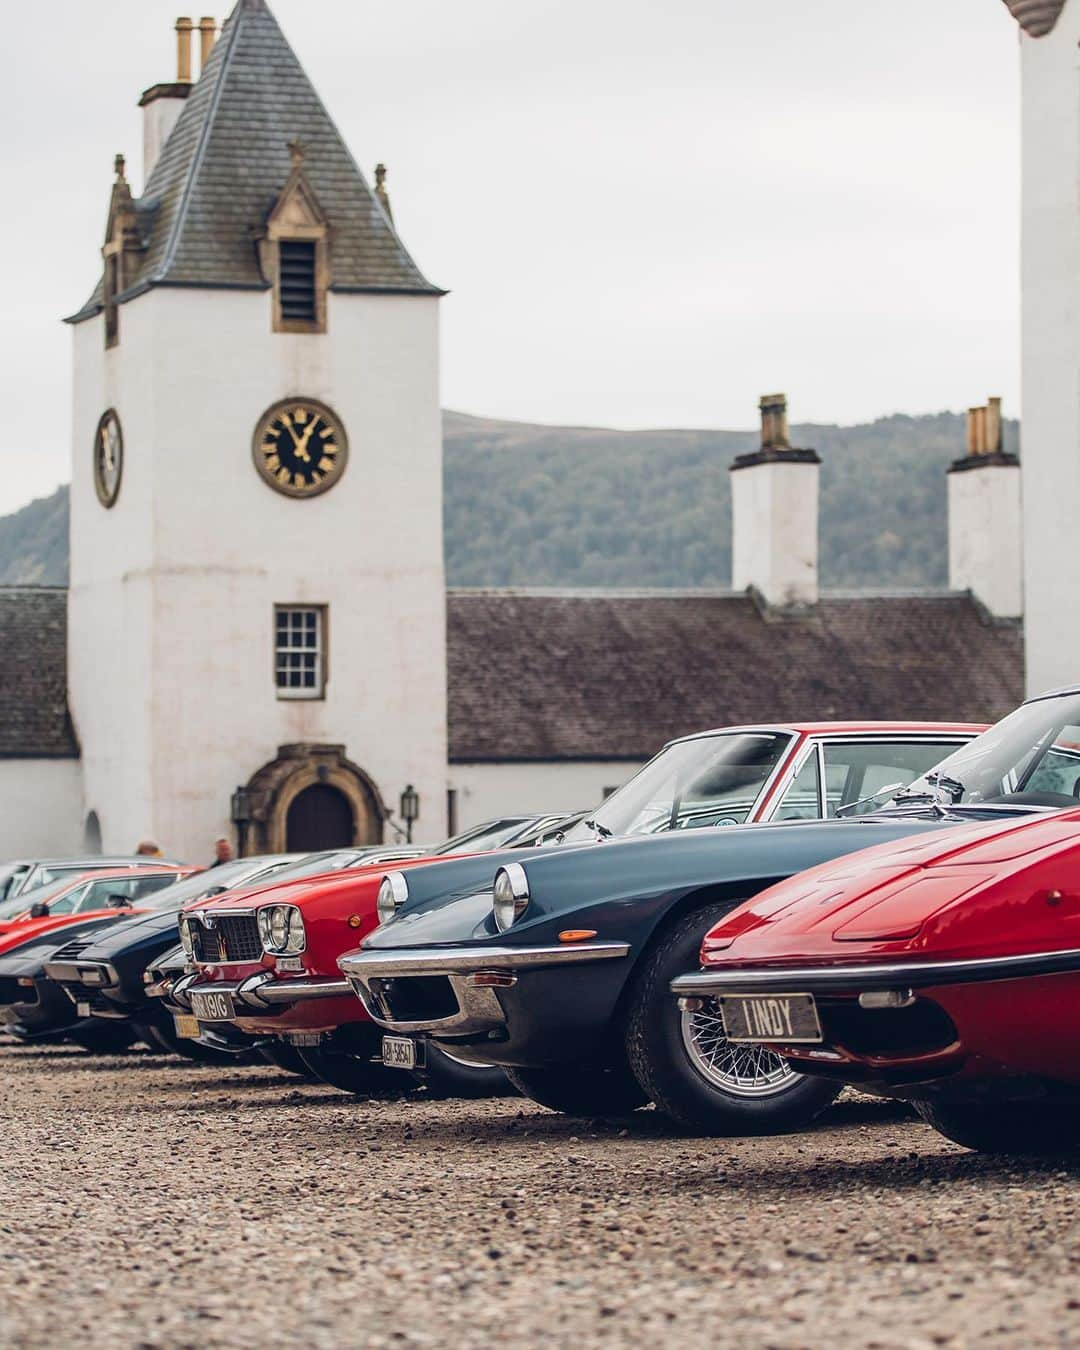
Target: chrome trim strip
{"x": 468, "y": 960}
{"x": 871, "y": 977}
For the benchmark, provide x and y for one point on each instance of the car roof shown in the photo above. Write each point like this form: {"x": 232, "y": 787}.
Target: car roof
{"x": 841, "y": 728}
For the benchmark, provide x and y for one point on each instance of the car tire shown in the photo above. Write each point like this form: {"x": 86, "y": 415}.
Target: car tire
{"x": 445, "y": 1076}
{"x": 348, "y": 1059}
{"x": 110, "y": 1038}
{"x": 592, "y": 1091}
{"x": 1005, "y": 1127}
{"x": 284, "y": 1056}
{"x": 684, "y": 1064}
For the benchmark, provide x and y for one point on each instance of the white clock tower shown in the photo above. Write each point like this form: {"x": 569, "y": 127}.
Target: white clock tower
{"x": 257, "y": 592}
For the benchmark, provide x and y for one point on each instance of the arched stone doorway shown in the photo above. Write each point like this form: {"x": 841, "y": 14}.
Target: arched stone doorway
{"x": 307, "y": 795}
{"x": 319, "y": 817}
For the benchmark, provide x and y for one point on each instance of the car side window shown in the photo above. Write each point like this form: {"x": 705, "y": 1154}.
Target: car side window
{"x": 70, "y": 903}
{"x": 1059, "y": 769}
{"x": 801, "y": 800}
{"x": 858, "y": 772}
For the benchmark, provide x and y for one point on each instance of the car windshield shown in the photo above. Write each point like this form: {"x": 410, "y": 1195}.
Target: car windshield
{"x": 129, "y": 890}
{"x": 212, "y": 881}
{"x": 10, "y": 876}
{"x": 1032, "y": 754}
{"x": 709, "y": 780}
{"x": 482, "y": 838}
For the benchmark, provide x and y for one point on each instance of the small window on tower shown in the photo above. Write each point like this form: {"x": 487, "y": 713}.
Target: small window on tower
{"x": 298, "y": 280}
{"x": 300, "y": 651}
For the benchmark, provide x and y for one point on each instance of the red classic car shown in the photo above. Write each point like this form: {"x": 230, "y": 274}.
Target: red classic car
{"x": 717, "y": 779}
{"x": 944, "y": 969}
{"x": 89, "y": 895}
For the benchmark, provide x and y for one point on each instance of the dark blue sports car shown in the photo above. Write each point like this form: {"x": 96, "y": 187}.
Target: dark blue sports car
{"x": 560, "y": 971}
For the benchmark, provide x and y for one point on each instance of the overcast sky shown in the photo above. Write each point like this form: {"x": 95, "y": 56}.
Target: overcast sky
{"x": 647, "y": 214}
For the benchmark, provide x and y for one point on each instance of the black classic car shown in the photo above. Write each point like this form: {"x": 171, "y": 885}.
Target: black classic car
{"x": 560, "y": 971}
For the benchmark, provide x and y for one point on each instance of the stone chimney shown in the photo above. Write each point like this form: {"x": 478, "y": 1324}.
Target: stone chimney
{"x": 985, "y": 530}
{"x": 161, "y": 103}
{"x": 774, "y": 503}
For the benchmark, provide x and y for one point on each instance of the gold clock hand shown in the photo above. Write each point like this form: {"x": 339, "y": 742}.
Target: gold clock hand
{"x": 287, "y": 420}
{"x": 302, "y": 448}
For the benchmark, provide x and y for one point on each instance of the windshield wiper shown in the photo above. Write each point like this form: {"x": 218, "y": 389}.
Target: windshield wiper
{"x": 889, "y": 791}
{"x": 601, "y": 830}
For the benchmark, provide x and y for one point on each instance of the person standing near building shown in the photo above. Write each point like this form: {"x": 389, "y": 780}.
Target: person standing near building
{"x": 223, "y": 852}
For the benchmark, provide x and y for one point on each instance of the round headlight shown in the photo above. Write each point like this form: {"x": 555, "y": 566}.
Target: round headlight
{"x": 279, "y": 927}
{"x": 393, "y": 892}
{"x": 296, "y": 940}
{"x": 511, "y": 897}
{"x": 185, "y": 937}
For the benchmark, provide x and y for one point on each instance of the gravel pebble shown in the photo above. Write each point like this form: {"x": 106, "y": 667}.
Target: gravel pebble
{"x": 151, "y": 1203}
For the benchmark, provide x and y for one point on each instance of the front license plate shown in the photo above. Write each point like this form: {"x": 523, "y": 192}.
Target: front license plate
{"x": 212, "y": 1007}
{"x": 781, "y": 1019}
{"x": 187, "y": 1028}
{"x": 399, "y": 1052}
{"x": 82, "y": 1009}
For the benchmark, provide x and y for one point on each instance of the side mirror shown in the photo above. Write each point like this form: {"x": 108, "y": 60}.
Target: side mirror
{"x": 39, "y": 910}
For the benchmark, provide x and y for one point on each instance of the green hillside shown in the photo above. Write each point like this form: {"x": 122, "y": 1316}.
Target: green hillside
{"x": 582, "y": 506}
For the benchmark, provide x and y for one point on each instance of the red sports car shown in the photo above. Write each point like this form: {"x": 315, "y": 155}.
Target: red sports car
{"x": 89, "y": 895}
{"x": 944, "y": 969}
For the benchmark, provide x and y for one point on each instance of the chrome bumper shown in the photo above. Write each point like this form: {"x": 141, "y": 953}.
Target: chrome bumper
{"x": 261, "y": 992}
{"x": 92, "y": 974}
{"x": 873, "y": 976}
{"x": 473, "y": 974}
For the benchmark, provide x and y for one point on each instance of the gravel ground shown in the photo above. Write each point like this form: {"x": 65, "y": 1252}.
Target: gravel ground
{"x": 147, "y": 1202}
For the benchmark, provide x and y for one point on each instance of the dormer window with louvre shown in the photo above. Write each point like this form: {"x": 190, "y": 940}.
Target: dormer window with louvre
{"x": 294, "y": 254}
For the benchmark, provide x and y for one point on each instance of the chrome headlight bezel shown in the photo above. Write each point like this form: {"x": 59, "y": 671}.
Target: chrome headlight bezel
{"x": 281, "y": 930}
{"x": 510, "y": 895}
{"x": 393, "y": 892}
{"x": 185, "y": 937}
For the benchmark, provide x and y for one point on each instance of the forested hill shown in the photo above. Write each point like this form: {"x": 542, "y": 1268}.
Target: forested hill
{"x": 580, "y": 506}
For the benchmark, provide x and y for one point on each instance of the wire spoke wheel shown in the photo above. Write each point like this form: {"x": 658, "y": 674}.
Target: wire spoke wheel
{"x": 745, "y": 1070}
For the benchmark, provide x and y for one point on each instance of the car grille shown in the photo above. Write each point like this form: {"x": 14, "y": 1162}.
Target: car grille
{"x": 234, "y": 937}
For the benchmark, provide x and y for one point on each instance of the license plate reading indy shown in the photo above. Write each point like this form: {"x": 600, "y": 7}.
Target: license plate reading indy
{"x": 780, "y": 1019}
{"x": 399, "y": 1052}
{"x": 212, "y": 1007}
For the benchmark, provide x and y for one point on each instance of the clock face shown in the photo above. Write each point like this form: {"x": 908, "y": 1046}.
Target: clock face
{"x": 108, "y": 458}
{"x": 300, "y": 447}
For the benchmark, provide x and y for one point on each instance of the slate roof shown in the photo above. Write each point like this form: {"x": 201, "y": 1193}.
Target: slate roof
{"x": 34, "y": 721}
{"x": 226, "y": 161}
{"x": 565, "y": 675}
{"x": 555, "y": 675}
{"x": 1036, "y": 17}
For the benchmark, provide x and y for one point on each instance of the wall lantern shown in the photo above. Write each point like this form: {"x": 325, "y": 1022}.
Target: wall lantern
{"x": 409, "y": 807}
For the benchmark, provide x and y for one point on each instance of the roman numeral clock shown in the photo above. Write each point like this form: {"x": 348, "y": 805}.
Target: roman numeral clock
{"x": 300, "y": 447}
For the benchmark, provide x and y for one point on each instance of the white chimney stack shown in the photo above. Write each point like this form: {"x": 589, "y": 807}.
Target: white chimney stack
{"x": 774, "y": 503}
{"x": 161, "y": 104}
{"x": 985, "y": 530}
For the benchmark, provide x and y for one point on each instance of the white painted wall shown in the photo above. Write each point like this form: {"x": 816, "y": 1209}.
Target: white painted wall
{"x": 41, "y": 808}
{"x": 173, "y": 590}
{"x": 159, "y": 118}
{"x": 485, "y": 791}
{"x": 774, "y": 544}
{"x": 985, "y": 536}
{"x": 1051, "y": 351}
